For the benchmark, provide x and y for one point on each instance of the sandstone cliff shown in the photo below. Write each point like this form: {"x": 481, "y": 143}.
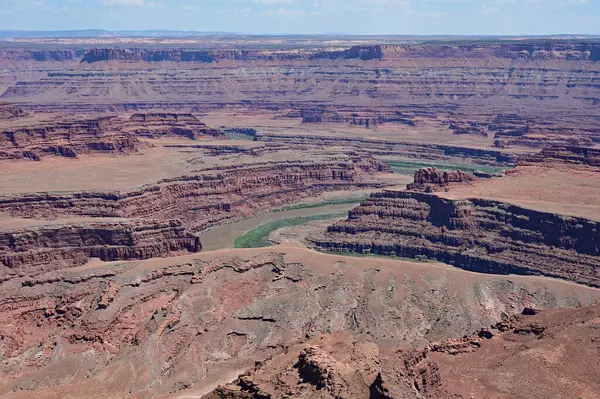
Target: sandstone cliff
{"x": 476, "y": 234}
{"x": 534, "y": 50}
{"x": 156, "y": 125}
{"x": 215, "y": 195}
{"x": 111, "y": 134}
{"x": 67, "y": 138}
{"x": 567, "y": 155}
{"x": 433, "y": 179}
{"x": 39, "y": 249}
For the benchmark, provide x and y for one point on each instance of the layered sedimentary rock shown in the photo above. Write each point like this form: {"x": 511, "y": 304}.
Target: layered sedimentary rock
{"x": 156, "y": 125}
{"x": 525, "y": 51}
{"x": 568, "y": 155}
{"x": 176, "y": 327}
{"x": 410, "y": 150}
{"x": 9, "y": 111}
{"x": 338, "y": 365}
{"x": 353, "y": 116}
{"x": 67, "y": 138}
{"x": 527, "y": 93}
{"x": 215, "y": 195}
{"x": 39, "y": 249}
{"x": 475, "y": 234}
{"x": 41, "y": 55}
{"x": 106, "y": 134}
{"x": 433, "y": 179}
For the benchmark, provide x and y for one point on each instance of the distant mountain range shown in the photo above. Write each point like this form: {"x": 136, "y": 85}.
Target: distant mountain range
{"x": 100, "y": 33}
{"x": 104, "y": 33}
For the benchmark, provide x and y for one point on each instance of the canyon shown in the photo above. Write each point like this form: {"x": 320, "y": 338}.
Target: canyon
{"x": 473, "y": 253}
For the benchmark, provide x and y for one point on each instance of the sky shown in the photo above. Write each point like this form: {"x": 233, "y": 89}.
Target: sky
{"x": 434, "y": 17}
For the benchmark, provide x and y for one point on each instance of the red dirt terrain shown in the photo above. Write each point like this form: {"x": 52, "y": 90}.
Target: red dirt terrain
{"x": 119, "y": 156}
{"x": 548, "y": 354}
{"x": 177, "y": 327}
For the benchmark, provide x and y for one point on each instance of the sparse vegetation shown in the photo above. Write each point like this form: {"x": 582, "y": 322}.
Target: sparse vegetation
{"x": 259, "y": 237}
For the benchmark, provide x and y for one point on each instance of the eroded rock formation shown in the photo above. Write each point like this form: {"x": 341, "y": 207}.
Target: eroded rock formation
{"x": 9, "y": 111}
{"x": 475, "y": 234}
{"x": 156, "y": 125}
{"x": 38, "y": 249}
{"x": 337, "y": 365}
{"x": 197, "y": 321}
{"x": 111, "y": 135}
{"x": 215, "y": 195}
{"x": 67, "y": 138}
{"x": 566, "y": 155}
{"x": 432, "y": 179}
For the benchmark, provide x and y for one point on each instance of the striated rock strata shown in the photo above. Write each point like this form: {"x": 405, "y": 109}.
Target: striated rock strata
{"x": 9, "y": 111}
{"x": 67, "y": 138}
{"x": 44, "y": 248}
{"x": 112, "y": 134}
{"x": 177, "y": 326}
{"x": 156, "y": 125}
{"x": 211, "y": 196}
{"x": 432, "y": 179}
{"x": 474, "y": 234}
{"x": 568, "y": 155}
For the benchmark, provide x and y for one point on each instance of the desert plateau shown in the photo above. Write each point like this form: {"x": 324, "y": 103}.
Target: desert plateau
{"x": 238, "y": 216}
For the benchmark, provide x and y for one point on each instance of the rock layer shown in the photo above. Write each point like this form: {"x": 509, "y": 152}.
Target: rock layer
{"x": 39, "y": 249}
{"x": 156, "y": 125}
{"x": 112, "y": 135}
{"x": 337, "y": 365}
{"x": 433, "y": 179}
{"x": 475, "y": 234}
{"x": 194, "y": 321}
{"x": 215, "y": 195}
{"x": 66, "y": 138}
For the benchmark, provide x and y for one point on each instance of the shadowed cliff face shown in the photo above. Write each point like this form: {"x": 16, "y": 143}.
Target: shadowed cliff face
{"x": 476, "y": 234}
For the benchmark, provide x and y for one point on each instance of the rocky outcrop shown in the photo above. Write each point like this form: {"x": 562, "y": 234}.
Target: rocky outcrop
{"x": 363, "y": 53}
{"x": 41, "y": 55}
{"x": 156, "y": 125}
{"x": 469, "y": 128}
{"x": 540, "y": 50}
{"x": 432, "y": 179}
{"x": 215, "y": 195}
{"x": 569, "y": 155}
{"x": 475, "y": 234}
{"x": 337, "y": 366}
{"x": 40, "y": 249}
{"x": 183, "y": 55}
{"x": 410, "y": 150}
{"x": 9, "y": 111}
{"x": 204, "y": 319}
{"x": 112, "y": 134}
{"x": 67, "y": 138}
{"x": 368, "y": 118}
